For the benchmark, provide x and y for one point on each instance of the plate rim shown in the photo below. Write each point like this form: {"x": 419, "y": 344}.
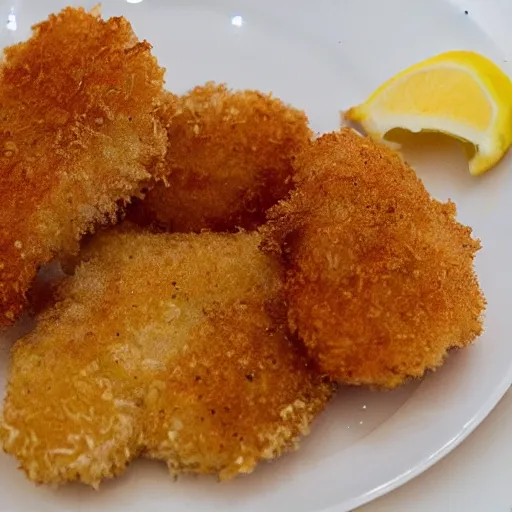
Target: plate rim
{"x": 352, "y": 504}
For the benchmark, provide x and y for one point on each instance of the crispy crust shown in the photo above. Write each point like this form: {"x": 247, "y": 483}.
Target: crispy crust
{"x": 229, "y": 159}
{"x": 380, "y": 276}
{"x": 172, "y": 347}
{"x": 77, "y": 134}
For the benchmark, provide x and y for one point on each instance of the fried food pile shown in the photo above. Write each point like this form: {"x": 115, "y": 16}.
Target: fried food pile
{"x": 78, "y": 136}
{"x": 229, "y": 160}
{"x": 251, "y": 269}
{"x": 170, "y": 346}
{"x": 380, "y": 280}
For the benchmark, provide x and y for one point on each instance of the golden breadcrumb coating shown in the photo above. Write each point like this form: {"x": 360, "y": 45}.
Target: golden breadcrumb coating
{"x": 380, "y": 275}
{"x": 171, "y": 347}
{"x": 77, "y": 134}
{"x": 229, "y": 160}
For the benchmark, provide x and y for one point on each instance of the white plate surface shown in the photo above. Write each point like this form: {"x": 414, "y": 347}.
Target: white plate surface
{"x": 322, "y": 56}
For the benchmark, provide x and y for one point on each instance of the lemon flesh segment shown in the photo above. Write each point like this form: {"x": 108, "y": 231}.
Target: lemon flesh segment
{"x": 460, "y": 93}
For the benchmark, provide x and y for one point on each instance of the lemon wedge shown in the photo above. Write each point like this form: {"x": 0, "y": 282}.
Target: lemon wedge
{"x": 460, "y": 93}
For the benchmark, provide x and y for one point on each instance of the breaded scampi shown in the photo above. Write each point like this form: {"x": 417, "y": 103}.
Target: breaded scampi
{"x": 380, "y": 280}
{"x": 229, "y": 159}
{"x": 172, "y": 347}
{"x": 77, "y": 135}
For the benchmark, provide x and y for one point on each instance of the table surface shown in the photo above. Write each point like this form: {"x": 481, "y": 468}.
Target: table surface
{"x": 477, "y": 476}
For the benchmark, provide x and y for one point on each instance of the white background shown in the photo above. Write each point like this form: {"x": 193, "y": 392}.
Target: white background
{"x": 477, "y": 476}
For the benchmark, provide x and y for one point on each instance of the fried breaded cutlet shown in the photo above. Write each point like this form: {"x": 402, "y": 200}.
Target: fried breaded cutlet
{"x": 229, "y": 159}
{"x": 380, "y": 279}
{"x": 77, "y": 135}
{"x": 171, "y": 347}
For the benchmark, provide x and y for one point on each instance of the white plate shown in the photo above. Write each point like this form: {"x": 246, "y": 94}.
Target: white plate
{"x": 322, "y": 56}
